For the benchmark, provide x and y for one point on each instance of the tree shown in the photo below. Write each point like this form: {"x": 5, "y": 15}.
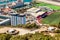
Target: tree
{"x": 59, "y": 25}
{"x": 33, "y": 25}
{"x": 57, "y": 36}
{"x": 40, "y": 36}
{"x": 57, "y": 31}
{"x": 5, "y": 36}
{"x": 18, "y": 38}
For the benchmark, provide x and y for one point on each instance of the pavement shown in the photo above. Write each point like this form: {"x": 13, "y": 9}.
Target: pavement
{"x": 50, "y": 2}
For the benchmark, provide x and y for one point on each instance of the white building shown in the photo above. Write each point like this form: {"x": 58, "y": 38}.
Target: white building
{"x": 17, "y": 19}
{"x": 34, "y": 9}
{"x": 37, "y": 14}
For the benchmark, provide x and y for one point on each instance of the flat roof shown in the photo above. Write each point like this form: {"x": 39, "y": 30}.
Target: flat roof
{"x": 36, "y": 14}
{"x": 21, "y": 15}
{"x": 13, "y": 14}
{"x": 31, "y": 9}
{"x": 34, "y": 9}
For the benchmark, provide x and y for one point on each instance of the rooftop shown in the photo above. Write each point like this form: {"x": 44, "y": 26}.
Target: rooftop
{"x": 36, "y": 14}
{"x": 34, "y": 9}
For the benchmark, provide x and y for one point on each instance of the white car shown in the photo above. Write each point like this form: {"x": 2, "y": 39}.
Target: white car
{"x": 12, "y": 31}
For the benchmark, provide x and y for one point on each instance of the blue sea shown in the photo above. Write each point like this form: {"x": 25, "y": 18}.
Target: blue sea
{"x": 27, "y": 0}
{"x": 5, "y": 2}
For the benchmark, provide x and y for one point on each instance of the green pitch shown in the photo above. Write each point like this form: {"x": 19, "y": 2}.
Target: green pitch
{"x": 52, "y": 19}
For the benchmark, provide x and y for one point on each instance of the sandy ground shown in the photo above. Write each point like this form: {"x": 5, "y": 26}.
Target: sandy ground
{"x": 51, "y": 2}
{"x": 21, "y": 30}
{"x": 25, "y": 31}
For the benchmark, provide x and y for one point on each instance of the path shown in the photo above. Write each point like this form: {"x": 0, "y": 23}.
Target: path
{"x": 51, "y": 2}
{"x": 22, "y": 31}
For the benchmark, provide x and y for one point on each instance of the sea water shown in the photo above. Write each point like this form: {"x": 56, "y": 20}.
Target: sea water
{"x": 7, "y": 1}
{"x": 27, "y": 0}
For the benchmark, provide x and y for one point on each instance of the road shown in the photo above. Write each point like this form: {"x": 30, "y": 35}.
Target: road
{"x": 49, "y": 1}
{"x": 22, "y": 31}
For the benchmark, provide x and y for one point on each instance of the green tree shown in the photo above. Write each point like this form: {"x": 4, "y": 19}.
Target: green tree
{"x": 57, "y": 31}
{"x": 59, "y": 25}
{"x": 18, "y": 38}
{"x": 5, "y": 36}
{"x": 33, "y": 25}
{"x": 40, "y": 36}
{"x": 57, "y": 36}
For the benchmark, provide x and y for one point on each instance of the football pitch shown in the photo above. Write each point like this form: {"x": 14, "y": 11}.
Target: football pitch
{"x": 52, "y": 19}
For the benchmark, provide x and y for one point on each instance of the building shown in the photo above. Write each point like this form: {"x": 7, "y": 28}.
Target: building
{"x": 34, "y": 10}
{"x": 21, "y": 19}
{"x": 17, "y": 19}
{"x": 6, "y": 9}
{"x": 14, "y": 19}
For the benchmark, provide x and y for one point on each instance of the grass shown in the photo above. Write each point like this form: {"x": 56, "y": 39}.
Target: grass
{"x": 48, "y": 5}
{"x": 52, "y": 19}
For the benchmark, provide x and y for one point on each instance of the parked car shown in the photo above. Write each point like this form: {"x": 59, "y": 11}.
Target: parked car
{"x": 12, "y": 31}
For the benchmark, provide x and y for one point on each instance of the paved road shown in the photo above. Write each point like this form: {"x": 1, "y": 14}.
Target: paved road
{"x": 51, "y": 2}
